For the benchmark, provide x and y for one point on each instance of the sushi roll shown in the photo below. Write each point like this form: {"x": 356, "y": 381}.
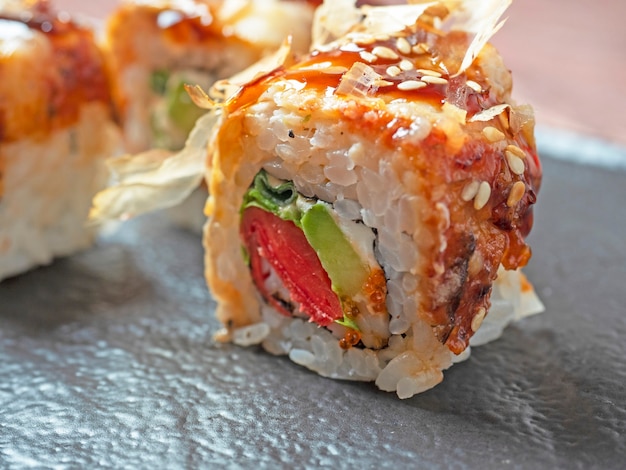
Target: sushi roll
{"x": 369, "y": 202}
{"x": 56, "y": 129}
{"x": 156, "y": 47}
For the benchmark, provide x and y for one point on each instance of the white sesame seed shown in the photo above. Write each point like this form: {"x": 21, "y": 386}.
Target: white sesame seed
{"x": 350, "y": 47}
{"x": 515, "y": 150}
{"x": 470, "y": 190}
{"x": 382, "y": 37}
{"x": 318, "y": 65}
{"x": 411, "y": 85}
{"x": 335, "y": 70}
{"x": 393, "y": 71}
{"x": 420, "y": 48}
{"x": 492, "y": 134}
{"x": 406, "y": 65}
{"x": 382, "y": 83}
{"x": 474, "y": 86}
{"x": 478, "y": 319}
{"x": 516, "y": 194}
{"x": 476, "y": 263}
{"x": 516, "y": 164}
{"x": 384, "y": 52}
{"x": 430, "y": 73}
{"x": 482, "y": 196}
{"x": 364, "y": 39}
{"x": 504, "y": 120}
{"x": 368, "y": 56}
{"x": 403, "y": 46}
{"x": 434, "y": 80}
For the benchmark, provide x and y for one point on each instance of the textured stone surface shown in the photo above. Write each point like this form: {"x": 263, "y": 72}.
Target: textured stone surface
{"x": 106, "y": 359}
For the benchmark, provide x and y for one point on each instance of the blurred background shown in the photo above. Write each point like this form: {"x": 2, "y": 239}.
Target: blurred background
{"x": 568, "y": 59}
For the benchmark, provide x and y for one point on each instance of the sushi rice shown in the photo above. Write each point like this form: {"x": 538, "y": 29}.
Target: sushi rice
{"x": 47, "y": 189}
{"x": 357, "y": 177}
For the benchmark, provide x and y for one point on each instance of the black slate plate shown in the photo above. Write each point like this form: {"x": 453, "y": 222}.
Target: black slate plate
{"x": 106, "y": 359}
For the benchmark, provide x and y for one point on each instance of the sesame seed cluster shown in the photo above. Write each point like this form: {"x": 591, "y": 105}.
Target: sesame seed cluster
{"x": 415, "y": 64}
{"x": 402, "y": 61}
{"x": 408, "y": 64}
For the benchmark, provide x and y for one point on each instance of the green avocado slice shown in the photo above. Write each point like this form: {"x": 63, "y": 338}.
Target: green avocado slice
{"x": 183, "y": 112}
{"x": 343, "y": 264}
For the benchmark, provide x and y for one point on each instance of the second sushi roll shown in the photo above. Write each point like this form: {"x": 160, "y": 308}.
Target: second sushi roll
{"x": 155, "y": 47}
{"x": 56, "y": 130}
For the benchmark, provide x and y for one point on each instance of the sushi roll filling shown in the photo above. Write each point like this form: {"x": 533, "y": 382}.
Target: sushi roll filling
{"x": 304, "y": 261}
{"x": 173, "y": 113}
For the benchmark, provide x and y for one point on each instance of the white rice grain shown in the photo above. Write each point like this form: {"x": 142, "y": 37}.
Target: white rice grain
{"x": 398, "y": 250}
{"x": 409, "y": 386}
{"x": 348, "y": 209}
{"x": 252, "y": 334}
{"x": 302, "y": 357}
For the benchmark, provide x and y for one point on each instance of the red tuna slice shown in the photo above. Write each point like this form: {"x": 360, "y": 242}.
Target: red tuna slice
{"x": 287, "y": 250}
